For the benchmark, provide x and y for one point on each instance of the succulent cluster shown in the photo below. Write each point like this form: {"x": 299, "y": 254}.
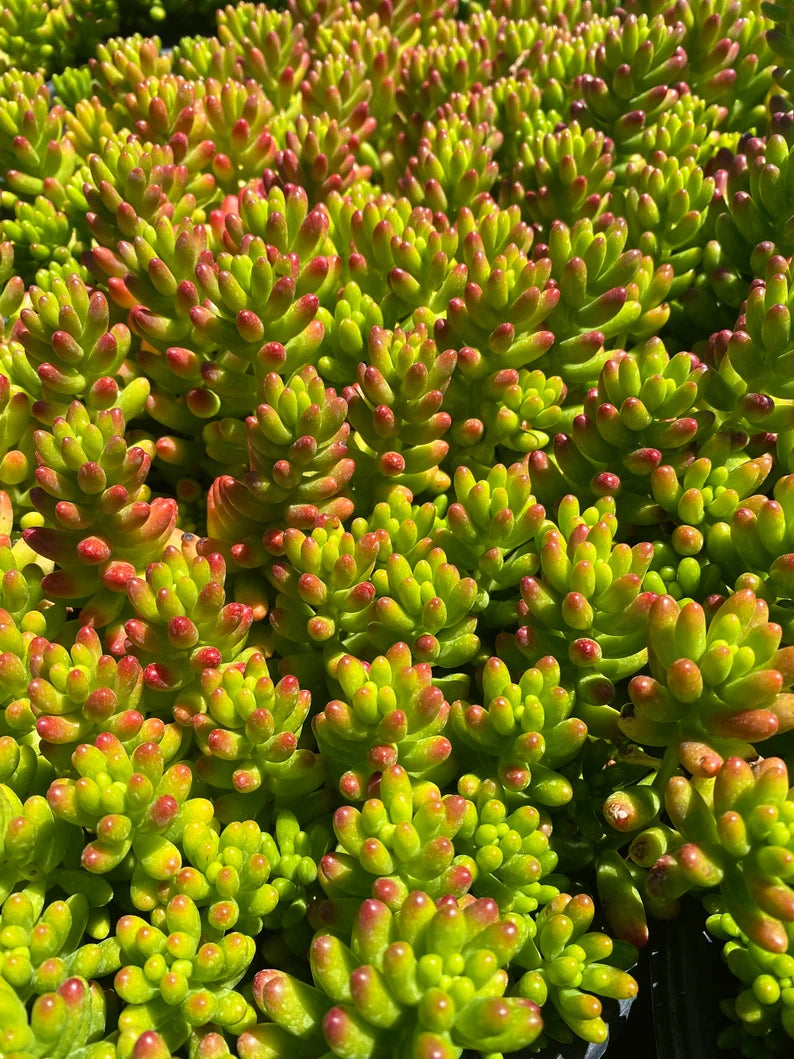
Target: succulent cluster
{"x": 396, "y": 520}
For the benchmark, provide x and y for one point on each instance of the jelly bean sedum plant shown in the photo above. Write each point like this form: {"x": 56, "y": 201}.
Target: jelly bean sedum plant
{"x": 396, "y": 521}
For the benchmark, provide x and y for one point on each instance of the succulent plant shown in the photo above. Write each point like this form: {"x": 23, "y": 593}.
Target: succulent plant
{"x": 401, "y": 841}
{"x": 172, "y": 980}
{"x": 564, "y": 174}
{"x": 298, "y": 462}
{"x": 137, "y": 182}
{"x": 74, "y": 694}
{"x": 738, "y": 840}
{"x": 33, "y": 841}
{"x": 399, "y": 254}
{"x": 40, "y": 947}
{"x": 129, "y": 801}
{"x": 623, "y": 97}
{"x": 502, "y": 310}
{"x": 374, "y": 994}
{"x": 453, "y": 164}
{"x": 712, "y": 488}
{"x": 33, "y": 150}
{"x": 396, "y": 478}
{"x": 715, "y": 686}
{"x": 392, "y": 713}
{"x": 396, "y": 410}
{"x": 97, "y": 523}
{"x": 666, "y": 206}
{"x": 764, "y": 325}
{"x": 324, "y": 591}
{"x": 347, "y": 324}
{"x": 587, "y": 602}
{"x": 759, "y": 538}
{"x": 568, "y": 968}
{"x": 68, "y": 1020}
{"x": 632, "y": 421}
{"x": 245, "y": 877}
{"x": 509, "y": 854}
{"x": 270, "y": 44}
{"x": 761, "y": 1008}
{"x": 182, "y": 601}
{"x": 525, "y": 725}
{"x": 755, "y": 212}
{"x": 430, "y": 603}
{"x": 491, "y": 526}
{"x": 248, "y": 730}
{"x": 73, "y": 348}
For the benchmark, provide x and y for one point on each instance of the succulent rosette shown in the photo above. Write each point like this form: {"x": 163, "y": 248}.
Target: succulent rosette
{"x": 248, "y": 730}
{"x": 182, "y": 602}
{"x": 324, "y": 591}
{"x": 39, "y": 159}
{"x": 502, "y": 310}
{"x": 120, "y": 63}
{"x": 347, "y": 323}
{"x": 395, "y": 409}
{"x": 246, "y": 877}
{"x": 135, "y": 183}
{"x": 686, "y": 576}
{"x": 392, "y": 712}
{"x": 74, "y": 694}
{"x": 758, "y": 539}
{"x": 429, "y": 603}
{"x": 98, "y": 524}
{"x": 716, "y": 687}
{"x": 569, "y": 967}
{"x": 74, "y": 349}
{"x": 400, "y": 526}
{"x": 711, "y": 488}
{"x": 510, "y": 856}
{"x": 298, "y": 460}
{"x": 666, "y": 205}
{"x": 129, "y": 802}
{"x": 398, "y": 253}
{"x": 490, "y": 528}
{"x": 622, "y": 100}
{"x": 33, "y": 839}
{"x": 643, "y": 412}
{"x": 737, "y": 839}
{"x": 403, "y": 840}
{"x": 609, "y": 291}
{"x": 374, "y": 994}
{"x": 524, "y": 726}
{"x": 171, "y": 980}
{"x": 453, "y": 164}
{"x": 565, "y": 174}
{"x": 269, "y": 42}
{"x": 41, "y": 943}
{"x": 587, "y": 604}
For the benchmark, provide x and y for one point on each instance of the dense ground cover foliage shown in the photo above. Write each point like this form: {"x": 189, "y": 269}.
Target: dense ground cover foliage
{"x": 396, "y": 520}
